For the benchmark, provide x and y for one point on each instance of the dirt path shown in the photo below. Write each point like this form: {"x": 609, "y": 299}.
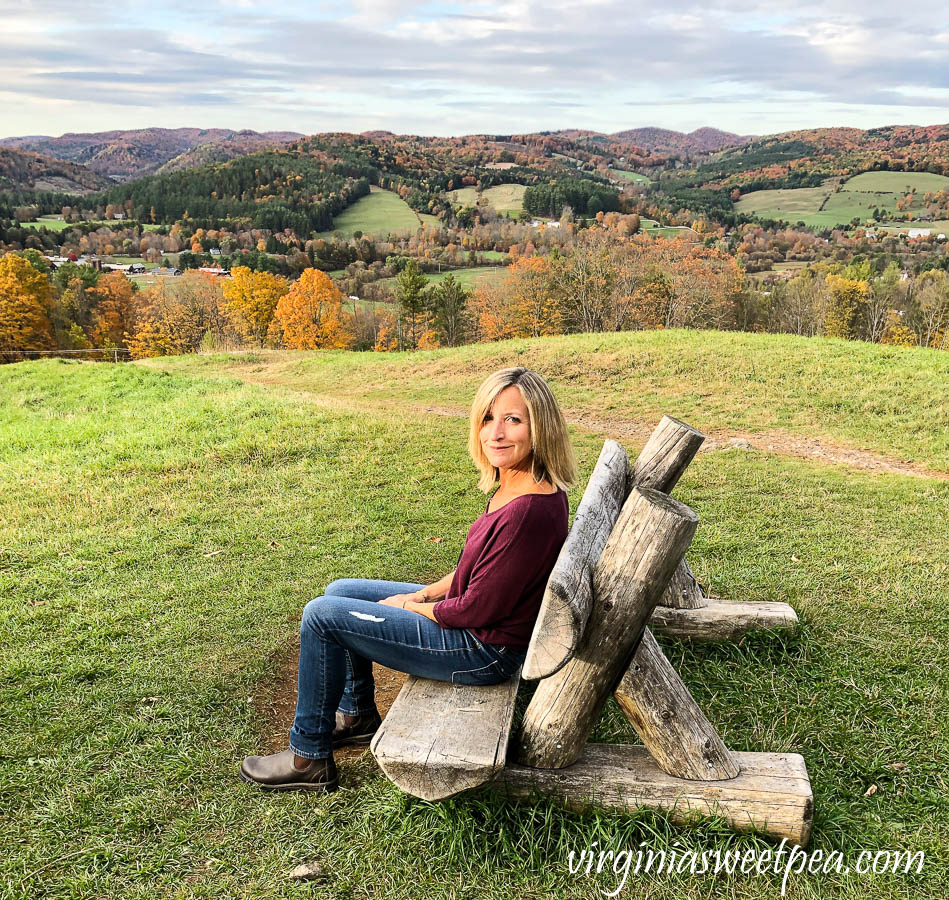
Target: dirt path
{"x": 778, "y": 442}
{"x": 771, "y": 441}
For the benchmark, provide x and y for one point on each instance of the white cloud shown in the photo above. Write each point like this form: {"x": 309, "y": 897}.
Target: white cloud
{"x": 479, "y": 65}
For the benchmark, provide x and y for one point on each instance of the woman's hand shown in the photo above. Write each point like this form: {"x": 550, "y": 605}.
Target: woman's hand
{"x": 400, "y": 600}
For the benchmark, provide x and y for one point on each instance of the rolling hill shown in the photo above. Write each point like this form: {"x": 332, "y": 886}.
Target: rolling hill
{"x": 26, "y": 170}
{"x": 123, "y": 155}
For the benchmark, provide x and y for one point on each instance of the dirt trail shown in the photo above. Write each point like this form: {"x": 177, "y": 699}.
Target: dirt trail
{"x": 771, "y": 441}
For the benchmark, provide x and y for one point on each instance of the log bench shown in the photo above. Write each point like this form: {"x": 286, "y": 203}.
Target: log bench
{"x": 622, "y": 562}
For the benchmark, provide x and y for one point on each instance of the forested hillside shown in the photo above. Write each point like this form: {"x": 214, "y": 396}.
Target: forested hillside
{"x": 122, "y": 155}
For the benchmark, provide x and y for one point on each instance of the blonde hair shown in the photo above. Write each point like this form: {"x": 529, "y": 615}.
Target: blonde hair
{"x": 552, "y": 456}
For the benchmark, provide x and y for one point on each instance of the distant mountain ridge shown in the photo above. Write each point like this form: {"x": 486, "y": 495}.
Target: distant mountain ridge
{"x": 122, "y": 155}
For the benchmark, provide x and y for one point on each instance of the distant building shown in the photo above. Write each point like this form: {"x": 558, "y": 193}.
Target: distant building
{"x": 918, "y": 233}
{"x": 118, "y": 216}
{"x": 215, "y": 270}
{"x": 215, "y": 251}
{"x": 166, "y": 271}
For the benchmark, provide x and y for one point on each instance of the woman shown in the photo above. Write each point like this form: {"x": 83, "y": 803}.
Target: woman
{"x": 470, "y": 627}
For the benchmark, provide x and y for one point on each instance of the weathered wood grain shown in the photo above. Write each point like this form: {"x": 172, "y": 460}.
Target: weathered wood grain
{"x": 718, "y": 621}
{"x": 646, "y": 544}
{"x": 668, "y": 720}
{"x": 684, "y": 591}
{"x": 439, "y": 739}
{"x": 772, "y": 794}
{"x": 668, "y": 452}
{"x": 569, "y": 594}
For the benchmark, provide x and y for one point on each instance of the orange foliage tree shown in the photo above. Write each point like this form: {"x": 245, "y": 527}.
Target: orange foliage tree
{"x": 310, "y": 315}
{"x": 250, "y": 300}
{"x": 112, "y": 309}
{"x": 24, "y": 304}
{"x": 178, "y": 317}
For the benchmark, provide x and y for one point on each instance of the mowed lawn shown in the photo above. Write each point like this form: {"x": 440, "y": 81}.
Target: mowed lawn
{"x": 505, "y": 198}
{"x": 857, "y": 198}
{"x": 378, "y": 213}
{"x": 161, "y": 529}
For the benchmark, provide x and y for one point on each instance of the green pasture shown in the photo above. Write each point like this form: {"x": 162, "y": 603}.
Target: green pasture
{"x": 471, "y": 278}
{"x": 378, "y": 213}
{"x": 505, "y": 198}
{"x": 845, "y": 393}
{"x": 857, "y": 198}
{"x": 54, "y": 224}
{"x": 633, "y": 177}
{"x": 162, "y": 527}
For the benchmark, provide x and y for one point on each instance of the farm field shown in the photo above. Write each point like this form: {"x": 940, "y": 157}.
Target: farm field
{"x": 55, "y": 224}
{"x": 505, "y": 198}
{"x": 378, "y": 213}
{"x": 143, "y": 625}
{"x": 633, "y": 177}
{"x": 470, "y": 277}
{"x": 857, "y": 199}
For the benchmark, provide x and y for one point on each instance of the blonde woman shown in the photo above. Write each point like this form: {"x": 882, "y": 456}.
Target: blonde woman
{"x": 470, "y": 627}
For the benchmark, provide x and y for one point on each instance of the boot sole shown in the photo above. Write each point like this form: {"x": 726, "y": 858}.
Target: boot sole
{"x": 325, "y": 786}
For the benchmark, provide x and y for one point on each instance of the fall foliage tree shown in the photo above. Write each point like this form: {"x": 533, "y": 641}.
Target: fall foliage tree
{"x": 24, "y": 301}
{"x": 178, "y": 316}
{"x": 844, "y": 306}
{"x": 310, "y": 315}
{"x": 250, "y": 300}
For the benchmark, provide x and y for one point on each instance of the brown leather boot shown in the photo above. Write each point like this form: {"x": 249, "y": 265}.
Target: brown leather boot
{"x": 360, "y": 731}
{"x": 278, "y": 773}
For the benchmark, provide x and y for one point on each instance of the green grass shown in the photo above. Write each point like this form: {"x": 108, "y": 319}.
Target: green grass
{"x": 160, "y": 533}
{"x": 634, "y": 177}
{"x": 129, "y": 260}
{"x": 471, "y": 278}
{"x": 891, "y": 400}
{"x": 857, "y": 198}
{"x": 378, "y": 213}
{"x": 505, "y": 198}
{"x": 54, "y": 224}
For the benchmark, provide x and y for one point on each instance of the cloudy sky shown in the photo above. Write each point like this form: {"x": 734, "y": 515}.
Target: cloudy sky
{"x": 471, "y": 66}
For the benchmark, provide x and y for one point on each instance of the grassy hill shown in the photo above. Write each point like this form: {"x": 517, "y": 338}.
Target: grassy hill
{"x": 161, "y": 528}
{"x": 823, "y": 207}
{"x": 505, "y": 198}
{"x": 379, "y": 213}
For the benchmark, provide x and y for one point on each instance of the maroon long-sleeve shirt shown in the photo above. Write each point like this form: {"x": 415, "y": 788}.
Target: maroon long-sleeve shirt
{"x": 502, "y": 572}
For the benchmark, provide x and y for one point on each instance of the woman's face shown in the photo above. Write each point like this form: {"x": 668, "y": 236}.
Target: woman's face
{"x": 506, "y": 432}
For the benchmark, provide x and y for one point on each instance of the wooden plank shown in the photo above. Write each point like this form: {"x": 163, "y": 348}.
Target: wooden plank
{"x": 720, "y": 621}
{"x": 569, "y": 594}
{"x": 646, "y": 544}
{"x": 668, "y": 720}
{"x": 439, "y": 739}
{"x": 772, "y": 794}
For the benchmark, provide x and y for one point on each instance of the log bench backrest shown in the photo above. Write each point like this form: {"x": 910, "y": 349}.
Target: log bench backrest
{"x": 569, "y": 594}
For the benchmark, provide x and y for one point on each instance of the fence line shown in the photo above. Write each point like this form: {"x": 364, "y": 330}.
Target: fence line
{"x": 113, "y": 351}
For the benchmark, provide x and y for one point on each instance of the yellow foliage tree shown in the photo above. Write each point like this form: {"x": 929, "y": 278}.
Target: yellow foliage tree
{"x": 311, "y": 314}
{"x": 847, "y": 298}
{"x": 250, "y": 299}
{"x": 24, "y": 305}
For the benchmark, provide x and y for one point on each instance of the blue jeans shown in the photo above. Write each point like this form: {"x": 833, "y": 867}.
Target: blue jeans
{"x": 344, "y": 631}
